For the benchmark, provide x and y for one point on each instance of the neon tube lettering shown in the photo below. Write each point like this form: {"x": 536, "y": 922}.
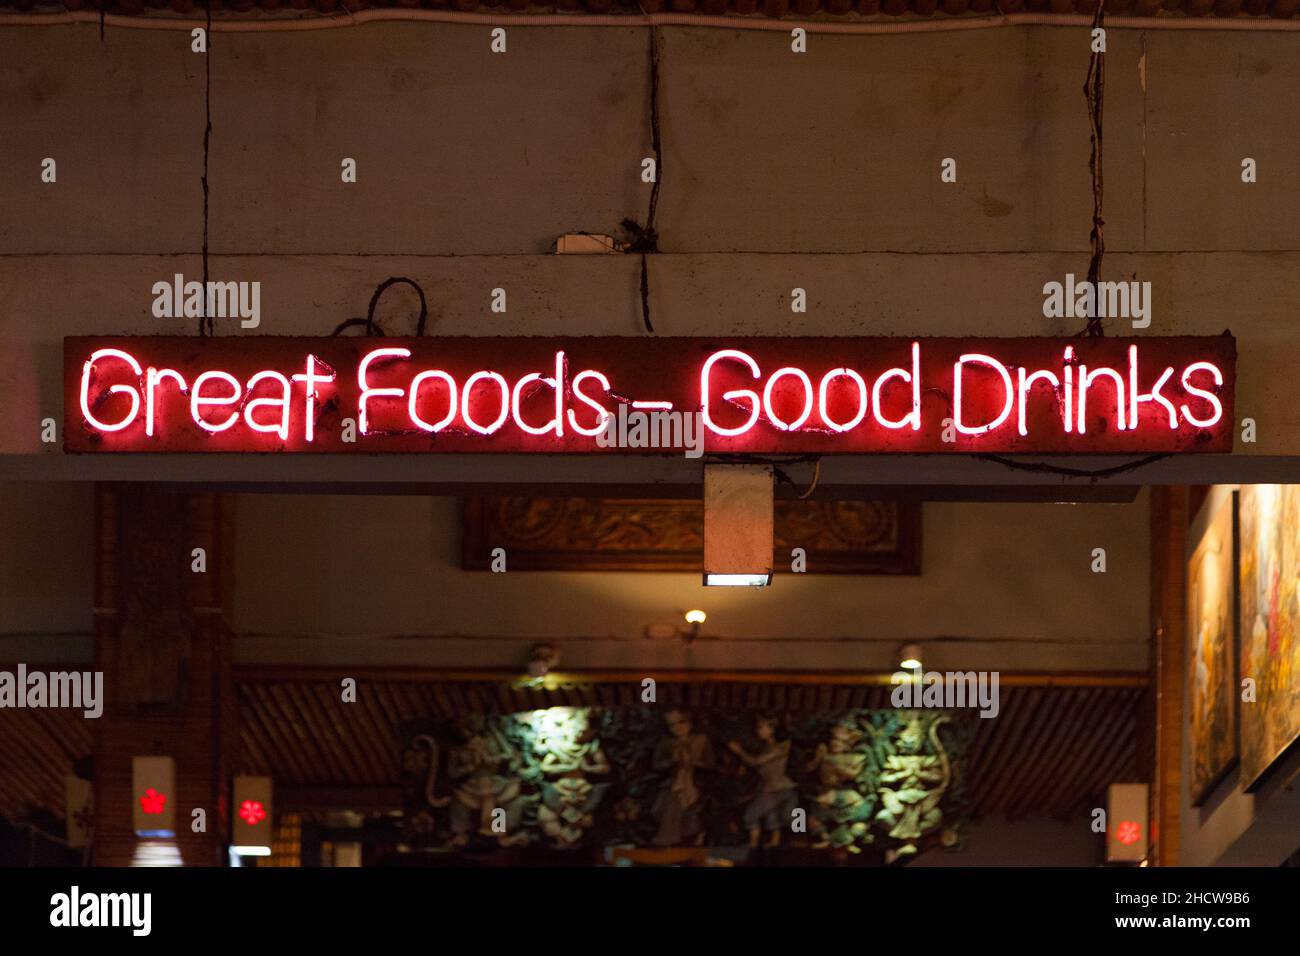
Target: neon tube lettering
{"x": 1086, "y": 378}
{"x": 1068, "y": 412}
{"x": 310, "y": 380}
{"x": 556, "y": 424}
{"x": 363, "y": 423}
{"x": 581, "y": 396}
{"x": 802, "y": 376}
{"x": 197, "y": 399}
{"x": 1202, "y": 393}
{"x": 113, "y": 390}
{"x": 1026, "y": 383}
{"x": 153, "y": 377}
{"x": 822, "y": 409}
{"x": 1007, "y": 387}
{"x": 415, "y": 395}
{"x": 731, "y": 395}
{"x": 505, "y": 402}
{"x": 282, "y": 427}
{"x": 1135, "y": 397}
{"x": 914, "y": 376}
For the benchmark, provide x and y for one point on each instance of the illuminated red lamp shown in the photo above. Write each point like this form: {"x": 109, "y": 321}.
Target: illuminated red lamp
{"x": 1127, "y": 815}
{"x": 251, "y": 829}
{"x": 153, "y": 782}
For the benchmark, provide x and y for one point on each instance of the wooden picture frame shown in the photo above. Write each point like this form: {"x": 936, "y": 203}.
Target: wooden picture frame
{"x": 1269, "y": 566}
{"x": 1212, "y": 647}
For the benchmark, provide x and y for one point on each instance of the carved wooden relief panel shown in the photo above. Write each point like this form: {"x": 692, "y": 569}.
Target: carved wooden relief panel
{"x": 649, "y": 534}
{"x": 565, "y": 778}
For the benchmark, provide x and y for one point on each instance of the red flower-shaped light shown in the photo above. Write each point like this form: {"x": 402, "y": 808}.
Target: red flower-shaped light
{"x": 251, "y": 811}
{"x": 153, "y": 801}
{"x": 1128, "y": 832}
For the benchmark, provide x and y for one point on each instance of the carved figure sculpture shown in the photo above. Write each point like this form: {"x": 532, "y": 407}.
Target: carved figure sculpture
{"x": 844, "y": 812}
{"x": 917, "y": 782}
{"x": 487, "y": 798}
{"x": 567, "y": 744}
{"x": 776, "y": 795}
{"x": 678, "y": 808}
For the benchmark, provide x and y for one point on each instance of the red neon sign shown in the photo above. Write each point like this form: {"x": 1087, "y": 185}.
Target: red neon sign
{"x": 758, "y": 395}
{"x": 252, "y": 812}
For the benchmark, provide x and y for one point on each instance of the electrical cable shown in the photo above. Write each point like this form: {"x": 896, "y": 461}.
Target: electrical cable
{"x": 372, "y": 327}
{"x": 645, "y": 239}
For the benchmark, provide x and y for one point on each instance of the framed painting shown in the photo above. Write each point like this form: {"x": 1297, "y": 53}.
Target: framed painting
{"x": 1212, "y": 655}
{"x": 656, "y": 534}
{"x": 1270, "y": 648}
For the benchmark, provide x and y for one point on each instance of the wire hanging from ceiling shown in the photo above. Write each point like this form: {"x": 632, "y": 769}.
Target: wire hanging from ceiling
{"x": 1093, "y": 90}
{"x": 373, "y": 328}
{"x": 206, "y": 326}
{"x": 645, "y": 239}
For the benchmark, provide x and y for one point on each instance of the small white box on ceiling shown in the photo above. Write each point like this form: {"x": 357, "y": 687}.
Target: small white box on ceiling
{"x": 738, "y": 525}
{"x": 586, "y": 244}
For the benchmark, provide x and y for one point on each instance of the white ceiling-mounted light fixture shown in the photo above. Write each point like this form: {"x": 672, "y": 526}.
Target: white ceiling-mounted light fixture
{"x": 738, "y": 525}
{"x": 909, "y": 657}
{"x": 542, "y": 658}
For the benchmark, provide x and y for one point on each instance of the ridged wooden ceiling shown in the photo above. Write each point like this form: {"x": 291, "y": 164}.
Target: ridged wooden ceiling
{"x": 37, "y": 750}
{"x": 1052, "y": 750}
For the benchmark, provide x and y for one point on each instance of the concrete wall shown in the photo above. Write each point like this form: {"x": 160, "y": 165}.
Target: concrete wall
{"x": 329, "y": 579}
{"x": 47, "y": 571}
{"x": 818, "y": 170}
{"x": 337, "y": 580}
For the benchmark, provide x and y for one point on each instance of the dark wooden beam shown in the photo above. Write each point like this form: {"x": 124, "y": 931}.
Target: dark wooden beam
{"x": 1168, "y": 612}
{"x": 162, "y": 643}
